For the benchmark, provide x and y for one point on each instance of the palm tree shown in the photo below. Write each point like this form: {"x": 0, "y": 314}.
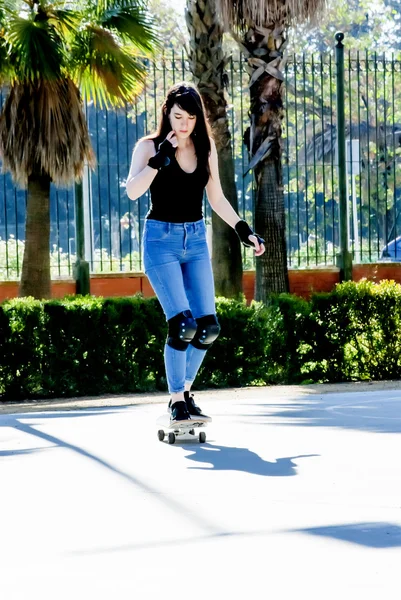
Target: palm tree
{"x": 208, "y": 68}
{"x": 50, "y": 53}
{"x": 260, "y": 30}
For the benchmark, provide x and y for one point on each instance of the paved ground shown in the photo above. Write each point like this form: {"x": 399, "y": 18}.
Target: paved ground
{"x": 296, "y": 494}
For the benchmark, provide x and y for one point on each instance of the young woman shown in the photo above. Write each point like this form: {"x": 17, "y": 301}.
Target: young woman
{"x": 177, "y": 163}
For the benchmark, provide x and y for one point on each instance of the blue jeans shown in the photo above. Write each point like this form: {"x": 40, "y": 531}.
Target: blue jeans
{"x": 177, "y": 263}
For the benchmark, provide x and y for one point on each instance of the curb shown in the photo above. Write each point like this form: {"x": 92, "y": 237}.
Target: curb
{"x": 262, "y": 392}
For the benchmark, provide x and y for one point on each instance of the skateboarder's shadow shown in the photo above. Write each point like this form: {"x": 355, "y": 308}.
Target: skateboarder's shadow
{"x": 229, "y": 458}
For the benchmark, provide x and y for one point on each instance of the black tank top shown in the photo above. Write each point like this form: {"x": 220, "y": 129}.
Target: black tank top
{"x": 176, "y": 196}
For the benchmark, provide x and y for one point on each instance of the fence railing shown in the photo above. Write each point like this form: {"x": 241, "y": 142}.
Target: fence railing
{"x": 373, "y": 152}
{"x": 114, "y": 224}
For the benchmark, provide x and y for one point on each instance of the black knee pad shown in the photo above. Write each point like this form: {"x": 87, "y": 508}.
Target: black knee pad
{"x": 207, "y": 332}
{"x": 181, "y": 330}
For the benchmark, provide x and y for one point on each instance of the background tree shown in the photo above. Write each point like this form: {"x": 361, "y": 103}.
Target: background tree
{"x": 208, "y": 63}
{"x": 371, "y": 26}
{"x": 372, "y": 81}
{"x": 171, "y": 27}
{"x": 48, "y": 53}
{"x": 260, "y": 29}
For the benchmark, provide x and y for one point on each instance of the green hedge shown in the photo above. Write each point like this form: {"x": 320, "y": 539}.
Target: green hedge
{"x": 88, "y": 345}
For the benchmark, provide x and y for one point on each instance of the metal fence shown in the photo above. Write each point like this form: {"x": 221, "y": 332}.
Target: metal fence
{"x": 373, "y": 153}
{"x": 114, "y": 223}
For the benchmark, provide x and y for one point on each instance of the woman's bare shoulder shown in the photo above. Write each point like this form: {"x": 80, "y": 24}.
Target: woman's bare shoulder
{"x": 146, "y": 145}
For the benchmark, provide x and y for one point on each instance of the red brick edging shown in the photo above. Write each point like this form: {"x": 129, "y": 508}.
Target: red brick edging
{"x": 303, "y": 282}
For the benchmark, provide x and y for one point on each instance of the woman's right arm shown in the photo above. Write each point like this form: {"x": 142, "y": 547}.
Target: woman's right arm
{"x": 140, "y": 175}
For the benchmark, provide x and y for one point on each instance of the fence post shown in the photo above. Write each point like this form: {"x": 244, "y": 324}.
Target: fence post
{"x": 81, "y": 267}
{"x": 344, "y": 259}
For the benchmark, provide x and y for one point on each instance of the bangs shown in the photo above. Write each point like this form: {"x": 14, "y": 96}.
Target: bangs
{"x": 188, "y": 102}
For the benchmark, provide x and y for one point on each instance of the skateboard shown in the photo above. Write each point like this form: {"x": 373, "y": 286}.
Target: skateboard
{"x": 174, "y": 430}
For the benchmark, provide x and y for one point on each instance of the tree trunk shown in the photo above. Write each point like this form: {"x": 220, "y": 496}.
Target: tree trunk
{"x": 265, "y": 59}
{"x": 226, "y": 259}
{"x": 271, "y": 267}
{"x": 35, "y": 278}
{"x": 208, "y": 67}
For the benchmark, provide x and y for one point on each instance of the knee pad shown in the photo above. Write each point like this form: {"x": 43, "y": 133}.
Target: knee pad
{"x": 181, "y": 330}
{"x": 207, "y": 332}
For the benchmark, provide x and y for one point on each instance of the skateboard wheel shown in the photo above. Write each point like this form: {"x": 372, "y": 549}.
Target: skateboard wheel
{"x": 191, "y": 431}
{"x": 202, "y": 437}
{"x": 160, "y": 435}
{"x": 171, "y": 438}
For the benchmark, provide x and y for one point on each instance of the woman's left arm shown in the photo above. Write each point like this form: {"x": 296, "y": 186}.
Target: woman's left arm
{"x": 223, "y": 208}
{"x": 215, "y": 194}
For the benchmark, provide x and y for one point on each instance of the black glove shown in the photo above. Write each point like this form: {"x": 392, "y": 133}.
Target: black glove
{"x": 244, "y": 231}
{"x": 163, "y": 155}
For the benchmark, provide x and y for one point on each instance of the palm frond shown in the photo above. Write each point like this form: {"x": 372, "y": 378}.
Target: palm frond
{"x": 34, "y": 48}
{"x": 105, "y": 71}
{"x": 7, "y": 6}
{"x": 4, "y": 63}
{"x": 64, "y": 21}
{"x": 239, "y": 15}
{"x": 133, "y": 25}
{"x": 103, "y": 6}
{"x": 43, "y": 129}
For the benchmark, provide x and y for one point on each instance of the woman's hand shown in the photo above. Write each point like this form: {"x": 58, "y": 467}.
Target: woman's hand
{"x": 172, "y": 138}
{"x": 165, "y": 152}
{"x": 259, "y": 247}
{"x": 249, "y": 238}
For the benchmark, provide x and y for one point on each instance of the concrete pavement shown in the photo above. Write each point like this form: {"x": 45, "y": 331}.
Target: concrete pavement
{"x": 297, "y": 493}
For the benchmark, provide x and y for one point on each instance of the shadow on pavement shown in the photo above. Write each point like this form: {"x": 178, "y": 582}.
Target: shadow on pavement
{"x": 374, "y": 411}
{"x": 372, "y": 535}
{"x": 4, "y": 453}
{"x": 16, "y": 421}
{"x": 229, "y": 458}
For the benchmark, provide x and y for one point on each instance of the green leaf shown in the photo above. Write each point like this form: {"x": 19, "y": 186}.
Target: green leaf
{"x": 105, "y": 71}
{"x": 65, "y": 21}
{"x": 103, "y": 6}
{"x": 131, "y": 24}
{"x": 34, "y": 49}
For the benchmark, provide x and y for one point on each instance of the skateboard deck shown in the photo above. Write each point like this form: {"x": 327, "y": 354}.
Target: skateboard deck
{"x": 191, "y": 427}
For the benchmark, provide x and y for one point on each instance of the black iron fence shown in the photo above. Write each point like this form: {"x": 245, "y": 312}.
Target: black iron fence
{"x": 373, "y": 152}
{"x": 114, "y": 224}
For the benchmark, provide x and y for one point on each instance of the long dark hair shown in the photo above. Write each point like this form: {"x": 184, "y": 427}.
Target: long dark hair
{"x": 187, "y": 97}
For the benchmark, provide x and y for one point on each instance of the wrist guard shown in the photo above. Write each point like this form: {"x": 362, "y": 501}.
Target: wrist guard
{"x": 163, "y": 156}
{"x": 244, "y": 231}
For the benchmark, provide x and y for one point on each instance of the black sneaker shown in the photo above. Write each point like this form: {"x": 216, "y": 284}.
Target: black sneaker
{"x": 179, "y": 412}
{"x": 194, "y": 410}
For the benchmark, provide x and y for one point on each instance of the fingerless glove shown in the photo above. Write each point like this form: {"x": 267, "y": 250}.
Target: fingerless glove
{"x": 244, "y": 231}
{"x": 163, "y": 156}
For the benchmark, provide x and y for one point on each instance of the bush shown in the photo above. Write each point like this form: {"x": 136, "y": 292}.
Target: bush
{"x": 88, "y": 345}
{"x": 23, "y": 337}
{"x": 355, "y": 333}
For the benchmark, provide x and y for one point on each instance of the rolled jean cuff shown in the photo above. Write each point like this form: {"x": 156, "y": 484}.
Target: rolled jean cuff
{"x": 177, "y": 391}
